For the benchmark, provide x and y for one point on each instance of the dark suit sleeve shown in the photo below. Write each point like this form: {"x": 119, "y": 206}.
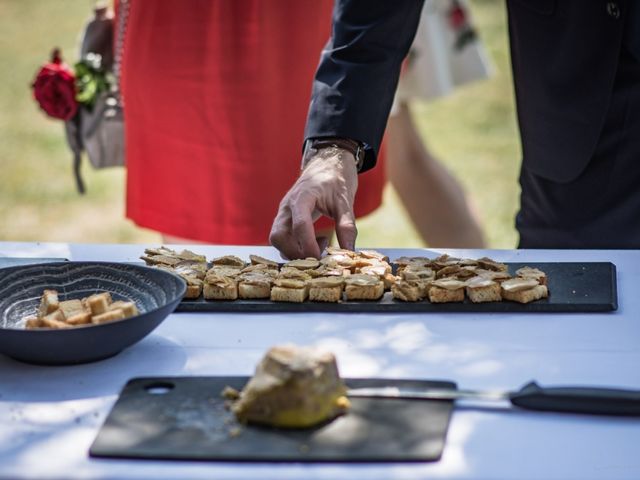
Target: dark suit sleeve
{"x": 359, "y": 68}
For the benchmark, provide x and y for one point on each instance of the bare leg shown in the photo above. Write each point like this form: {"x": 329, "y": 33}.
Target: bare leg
{"x": 435, "y": 201}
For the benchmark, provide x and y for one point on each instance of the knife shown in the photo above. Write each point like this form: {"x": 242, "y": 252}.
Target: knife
{"x": 591, "y": 400}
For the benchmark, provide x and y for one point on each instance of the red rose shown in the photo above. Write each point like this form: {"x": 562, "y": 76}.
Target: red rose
{"x": 54, "y": 89}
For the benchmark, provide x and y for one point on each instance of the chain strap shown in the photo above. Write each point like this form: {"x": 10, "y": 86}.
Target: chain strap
{"x": 120, "y": 32}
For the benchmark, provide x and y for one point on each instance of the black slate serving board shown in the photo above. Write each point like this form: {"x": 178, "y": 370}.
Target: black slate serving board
{"x": 190, "y": 422}
{"x": 573, "y": 287}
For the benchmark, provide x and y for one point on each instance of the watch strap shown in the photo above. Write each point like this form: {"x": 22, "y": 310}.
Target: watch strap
{"x": 354, "y": 147}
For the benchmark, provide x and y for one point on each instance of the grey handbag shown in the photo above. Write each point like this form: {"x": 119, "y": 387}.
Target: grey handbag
{"x": 99, "y": 130}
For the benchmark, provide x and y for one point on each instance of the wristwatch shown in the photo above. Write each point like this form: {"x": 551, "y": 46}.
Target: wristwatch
{"x": 312, "y": 145}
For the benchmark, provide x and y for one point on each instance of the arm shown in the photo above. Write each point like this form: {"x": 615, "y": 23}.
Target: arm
{"x": 359, "y": 69}
{"x": 352, "y": 95}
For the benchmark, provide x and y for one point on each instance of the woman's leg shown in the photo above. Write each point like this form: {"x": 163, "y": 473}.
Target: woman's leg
{"x": 433, "y": 198}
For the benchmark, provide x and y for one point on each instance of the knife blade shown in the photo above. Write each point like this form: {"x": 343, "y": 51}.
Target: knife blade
{"x": 430, "y": 394}
{"x": 590, "y": 400}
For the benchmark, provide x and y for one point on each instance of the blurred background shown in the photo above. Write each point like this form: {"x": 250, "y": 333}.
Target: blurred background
{"x": 473, "y": 132}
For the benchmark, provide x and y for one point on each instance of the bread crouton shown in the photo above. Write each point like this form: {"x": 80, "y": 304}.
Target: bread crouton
{"x": 229, "y": 260}
{"x": 529, "y": 272}
{"x": 81, "y": 318}
{"x": 33, "y": 322}
{"x": 258, "y": 260}
{"x": 191, "y": 256}
{"x": 192, "y": 292}
{"x": 128, "y": 308}
{"x": 481, "y": 290}
{"x": 303, "y": 264}
{"x": 289, "y": 290}
{"x": 109, "y": 316}
{"x": 407, "y": 291}
{"x": 363, "y": 287}
{"x": 48, "y": 303}
{"x": 49, "y": 322}
{"x": 194, "y": 285}
{"x": 70, "y": 308}
{"x": 326, "y": 289}
{"x": 99, "y": 303}
{"x": 220, "y": 288}
{"x": 446, "y": 290}
{"x": 525, "y": 296}
{"x": 381, "y": 257}
{"x": 160, "y": 259}
{"x": 255, "y": 285}
{"x": 490, "y": 264}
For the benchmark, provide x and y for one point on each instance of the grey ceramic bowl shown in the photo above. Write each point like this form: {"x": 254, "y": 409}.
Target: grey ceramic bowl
{"x": 155, "y": 292}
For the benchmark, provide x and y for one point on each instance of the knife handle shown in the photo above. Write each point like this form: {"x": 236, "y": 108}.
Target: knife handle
{"x": 599, "y": 401}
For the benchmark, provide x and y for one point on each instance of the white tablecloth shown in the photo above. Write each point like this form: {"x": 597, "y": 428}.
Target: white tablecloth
{"x": 49, "y": 416}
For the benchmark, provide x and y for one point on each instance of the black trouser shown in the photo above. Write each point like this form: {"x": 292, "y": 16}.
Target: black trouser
{"x": 600, "y": 208}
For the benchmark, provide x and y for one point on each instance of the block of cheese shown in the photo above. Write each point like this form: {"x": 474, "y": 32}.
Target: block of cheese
{"x": 293, "y": 387}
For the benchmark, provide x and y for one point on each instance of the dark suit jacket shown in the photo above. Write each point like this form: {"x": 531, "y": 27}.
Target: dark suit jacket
{"x": 564, "y": 58}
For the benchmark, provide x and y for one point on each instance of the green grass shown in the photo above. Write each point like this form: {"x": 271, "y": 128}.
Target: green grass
{"x": 472, "y": 131}
{"x": 38, "y": 200}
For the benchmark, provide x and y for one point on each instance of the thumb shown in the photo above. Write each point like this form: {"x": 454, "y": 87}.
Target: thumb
{"x": 323, "y": 243}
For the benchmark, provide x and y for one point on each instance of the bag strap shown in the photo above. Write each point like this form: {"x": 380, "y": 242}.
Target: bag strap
{"x": 74, "y": 128}
{"x": 120, "y": 32}
{"x": 74, "y": 140}
{"x": 77, "y": 159}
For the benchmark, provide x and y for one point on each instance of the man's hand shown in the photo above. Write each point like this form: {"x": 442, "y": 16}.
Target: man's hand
{"x": 327, "y": 186}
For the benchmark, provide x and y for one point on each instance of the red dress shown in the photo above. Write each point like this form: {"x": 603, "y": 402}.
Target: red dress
{"x": 216, "y": 96}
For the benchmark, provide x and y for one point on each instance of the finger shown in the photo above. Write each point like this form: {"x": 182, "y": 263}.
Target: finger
{"x": 302, "y": 228}
{"x": 324, "y": 237}
{"x": 281, "y": 236}
{"x": 288, "y": 248}
{"x": 346, "y": 230}
{"x": 286, "y": 245}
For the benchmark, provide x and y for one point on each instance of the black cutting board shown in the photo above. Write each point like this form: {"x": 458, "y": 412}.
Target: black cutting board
{"x": 190, "y": 422}
{"x": 573, "y": 287}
